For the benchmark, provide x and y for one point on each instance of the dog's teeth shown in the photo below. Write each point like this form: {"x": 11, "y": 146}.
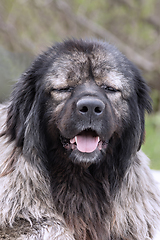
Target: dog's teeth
{"x": 100, "y": 145}
{"x": 99, "y": 139}
{"x": 73, "y": 140}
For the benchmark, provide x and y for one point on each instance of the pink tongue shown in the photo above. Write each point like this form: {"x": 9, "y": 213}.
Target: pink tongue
{"x": 86, "y": 143}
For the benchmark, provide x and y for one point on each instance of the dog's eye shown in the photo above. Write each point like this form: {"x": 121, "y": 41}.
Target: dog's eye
{"x": 66, "y": 89}
{"x": 109, "y": 89}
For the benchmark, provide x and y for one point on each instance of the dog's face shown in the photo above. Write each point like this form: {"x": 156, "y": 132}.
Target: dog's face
{"x": 85, "y": 98}
{"x": 88, "y": 100}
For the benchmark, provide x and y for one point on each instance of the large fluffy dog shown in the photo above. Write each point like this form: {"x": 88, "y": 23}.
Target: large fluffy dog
{"x": 69, "y": 149}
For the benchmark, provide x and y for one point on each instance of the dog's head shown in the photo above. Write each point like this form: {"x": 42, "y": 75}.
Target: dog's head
{"x": 83, "y": 99}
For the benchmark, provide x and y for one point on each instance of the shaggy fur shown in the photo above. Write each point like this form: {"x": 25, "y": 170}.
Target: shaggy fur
{"x": 51, "y": 185}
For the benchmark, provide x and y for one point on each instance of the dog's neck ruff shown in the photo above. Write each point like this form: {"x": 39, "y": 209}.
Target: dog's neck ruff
{"x": 80, "y": 206}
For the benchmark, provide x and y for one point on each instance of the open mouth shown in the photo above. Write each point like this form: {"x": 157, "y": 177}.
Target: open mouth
{"x": 86, "y": 141}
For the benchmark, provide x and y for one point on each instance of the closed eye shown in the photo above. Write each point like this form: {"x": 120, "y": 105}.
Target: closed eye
{"x": 109, "y": 89}
{"x": 66, "y": 89}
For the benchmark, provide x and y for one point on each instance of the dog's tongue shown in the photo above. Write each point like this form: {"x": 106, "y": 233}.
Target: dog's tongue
{"x": 86, "y": 142}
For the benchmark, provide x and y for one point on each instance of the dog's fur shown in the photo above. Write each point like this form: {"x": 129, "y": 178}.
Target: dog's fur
{"x": 49, "y": 188}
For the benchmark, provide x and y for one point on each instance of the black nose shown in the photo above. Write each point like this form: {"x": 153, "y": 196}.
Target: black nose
{"x": 90, "y": 106}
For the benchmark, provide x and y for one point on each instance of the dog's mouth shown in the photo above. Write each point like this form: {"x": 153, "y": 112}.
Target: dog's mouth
{"x": 86, "y": 141}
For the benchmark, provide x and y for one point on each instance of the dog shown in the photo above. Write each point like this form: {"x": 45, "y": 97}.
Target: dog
{"x": 70, "y": 160}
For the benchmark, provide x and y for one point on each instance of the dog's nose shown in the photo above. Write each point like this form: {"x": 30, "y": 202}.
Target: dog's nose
{"x": 90, "y": 106}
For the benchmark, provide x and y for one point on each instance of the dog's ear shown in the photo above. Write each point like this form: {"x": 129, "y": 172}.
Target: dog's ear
{"x": 134, "y": 131}
{"x": 144, "y": 103}
{"x": 23, "y": 97}
{"x": 21, "y": 102}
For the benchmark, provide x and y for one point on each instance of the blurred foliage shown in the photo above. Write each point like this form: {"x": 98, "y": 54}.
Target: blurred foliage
{"x": 152, "y": 141}
{"x": 12, "y": 64}
{"x": 27, "y": 27}
{"x": 155, "y": 94}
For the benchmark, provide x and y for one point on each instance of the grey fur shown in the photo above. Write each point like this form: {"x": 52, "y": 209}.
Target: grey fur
{"x": 24, "y": 194}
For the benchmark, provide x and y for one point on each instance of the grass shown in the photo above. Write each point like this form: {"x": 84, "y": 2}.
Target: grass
{"x": 151, "y": 146}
